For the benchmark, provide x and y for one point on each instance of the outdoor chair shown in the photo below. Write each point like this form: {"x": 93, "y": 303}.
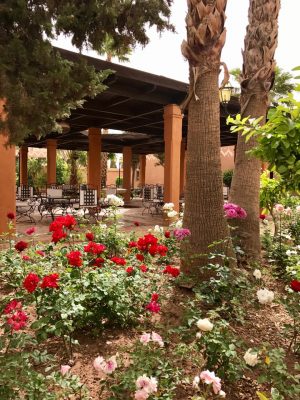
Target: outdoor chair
{"x": 88, "y": 205}
{"x": 148, "y": 198}
{"x": 25, "y": 192}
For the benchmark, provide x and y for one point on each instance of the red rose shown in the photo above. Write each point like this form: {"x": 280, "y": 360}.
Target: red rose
{"x": 153, "y": 307}
{"x": 50, "y": 281}
{"x": 30, "y": 282}
{"x": 140, "y": 257}
{"x": 69, "y": 222}
{"x": 25, "y": 258}
{"x": 12, "y": 306}
{"x": 57, "y": 224}
{"x": 132, "y": 244}
{"x": 153, "y": 249}
{"x": 162, "y": 250}
{"x": 58, "y": 235}
{"x": 143, "y": 268}
{"x": 74, "y": 258}
{"x": 295, "y": 285}
{"x": 136, "y": 223}
{"x": 98, "y": 262}
{"x": 31, "y": 230}
{"x": 10, "y": 215}
{"x": 94, "y": 248}
{"x": 17, "y": 321}
{"x": 129, "y": 270}
{"x": 167, "y": 234}
{"x": 171, "y": 271}
{"x": 154, "y": 296}
{"x": 118, "y": 260}
{"x": 262, "y": 216}
{"x": 150, "y": 239}
{"x": 89, "y": 236}
{"x": 40, "y": 253}
{"x": 21, "y": 245}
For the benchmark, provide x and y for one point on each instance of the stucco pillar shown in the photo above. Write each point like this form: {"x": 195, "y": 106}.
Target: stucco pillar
{"x": 23, "y": 154}
{"x": 142, "y": 170}
{"x": 7, "y": 177}
{"x": 127, "y": 161}
{"x": 172, "y": 135}
{"x": 182, "y": 167}
{"x": 94, "y": 160}
{"x": 51, "y": 161}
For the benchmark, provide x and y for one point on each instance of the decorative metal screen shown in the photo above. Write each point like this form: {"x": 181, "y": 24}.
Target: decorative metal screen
{"x": 25, "y": 192}
{"x": 88, "y": 197}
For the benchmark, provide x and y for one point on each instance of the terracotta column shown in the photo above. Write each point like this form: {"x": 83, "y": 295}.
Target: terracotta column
{"x": 51, "y": 160}
{"x": 172, "y": 135}
{"x": 127, "y": 160}
{"x": 7, "y": 177}
{"x": 94, "y": 159}
{"x": 142, "y": 170}
{"x": 23, "y": 154}
{"x": 182, "y": 167}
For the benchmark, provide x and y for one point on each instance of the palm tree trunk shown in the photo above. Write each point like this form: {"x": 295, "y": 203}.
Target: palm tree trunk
{"x": 256, "y": 81}
{"x": 204, "y": 214}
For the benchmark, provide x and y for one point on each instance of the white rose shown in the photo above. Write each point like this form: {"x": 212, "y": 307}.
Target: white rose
{"x": 222, "y": 393}
{"x": 257, "y": 274}
{"x": 205, "y": 325}
{"x": 265, "y": 296}
{"x": 298, "y": 209}
{"x": 196, "y": 382}
{"x": 178, "y": 224}
{"x": 168, "y": 206}
{"x": 291, "y": 253}
{"x": 172, "y": 214}
{"x": 251, "y": 358}
{"x": 158, "y": 229}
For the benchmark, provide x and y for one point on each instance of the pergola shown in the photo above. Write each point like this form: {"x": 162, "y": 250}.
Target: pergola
{"x": 142, "y": 105}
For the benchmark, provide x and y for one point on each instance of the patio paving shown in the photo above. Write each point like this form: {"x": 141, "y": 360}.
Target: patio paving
{"x": 128, "y": 215}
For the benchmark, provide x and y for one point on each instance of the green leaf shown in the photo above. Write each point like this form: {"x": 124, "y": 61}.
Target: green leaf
{"x": 262, "y": 396}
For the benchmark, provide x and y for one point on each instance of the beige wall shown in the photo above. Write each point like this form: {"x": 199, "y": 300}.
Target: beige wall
{"x": 154, "y": 174}
{"x": 227, "y": 157}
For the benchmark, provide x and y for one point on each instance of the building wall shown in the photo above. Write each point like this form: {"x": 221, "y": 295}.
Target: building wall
{"x": 227, "y": 157}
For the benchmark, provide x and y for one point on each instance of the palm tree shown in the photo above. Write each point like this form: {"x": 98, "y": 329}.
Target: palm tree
{"x": 204, "y": 214}
{"x": 256, "y": 81}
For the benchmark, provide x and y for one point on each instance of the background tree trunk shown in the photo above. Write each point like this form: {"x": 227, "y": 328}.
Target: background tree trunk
{"x": 204, "y": 214}
{"x": 256, "y": 81}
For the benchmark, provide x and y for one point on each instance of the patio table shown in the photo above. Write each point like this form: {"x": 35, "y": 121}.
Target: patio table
{"x": 56, "y": 205}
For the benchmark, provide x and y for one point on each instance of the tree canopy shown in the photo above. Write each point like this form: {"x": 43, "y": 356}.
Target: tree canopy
{"x": 39, "y": 86}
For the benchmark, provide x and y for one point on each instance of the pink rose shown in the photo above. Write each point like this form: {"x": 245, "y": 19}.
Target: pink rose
{"x": 145, "y": 338}
{"x": 141, "y": 395}
{"x": 64, "y": 369}
{"x": 157, "y": 338}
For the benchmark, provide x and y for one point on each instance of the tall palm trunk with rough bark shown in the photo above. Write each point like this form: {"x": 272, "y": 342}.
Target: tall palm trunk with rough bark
{"x": 256, "y": 81}
{"x": 204, "y": 214}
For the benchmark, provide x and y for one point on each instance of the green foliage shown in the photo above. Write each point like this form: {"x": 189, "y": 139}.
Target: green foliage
{"x": 119, "y": 182}
{"x": 219, "y": 348}
{"x": 271, "y": 192}
{"x": 285, "y": 385}
{"x": 24, "y": 375}
{"x": 37, "y": 176}
{"x": 152, "y": 361}
{"x": 227, "y": 177}
{"x": 278, "y": 140}
{"x": 39, "y": 86}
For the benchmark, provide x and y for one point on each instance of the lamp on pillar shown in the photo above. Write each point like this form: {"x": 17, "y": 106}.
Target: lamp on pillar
{"x": 225, "y": 93}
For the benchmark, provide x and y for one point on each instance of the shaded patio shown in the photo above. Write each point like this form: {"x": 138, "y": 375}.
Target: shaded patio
{"x": 144, "y": 106}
